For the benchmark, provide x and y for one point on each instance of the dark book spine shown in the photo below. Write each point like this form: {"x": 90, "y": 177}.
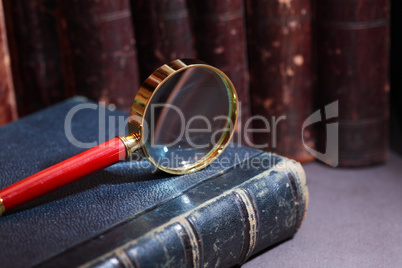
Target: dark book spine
{"x": 396, "y": 78}
{"x": 220, "y": 34}
{"x": 163, "y": 33}
{"x": 35, "y": 53}
{"x": 8, "y": 110}
{"x": 223, "y": 231}
{"x": 280, "y": 63}
{"x": 100, "y": 58}
{"x": 353, "y": 59}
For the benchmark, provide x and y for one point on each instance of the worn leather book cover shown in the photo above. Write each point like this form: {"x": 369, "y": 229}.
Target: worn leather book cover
{"x": 99, "y": 53}
{"x": 353, "y": 68}
{"x": 131, "y": 214}
{"x": 8, "y": 110}
{"x": 220, "y": 40}
{"x": 163, "y": 33}
{"x": 34, "y": 53}
{"x": 281, "y": 77}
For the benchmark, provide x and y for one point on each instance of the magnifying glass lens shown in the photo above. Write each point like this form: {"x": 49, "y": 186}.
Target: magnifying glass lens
{"x": 188, "y": 118}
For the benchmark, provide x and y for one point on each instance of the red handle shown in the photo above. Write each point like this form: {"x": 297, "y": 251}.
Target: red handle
{"x": 67, "y": 171}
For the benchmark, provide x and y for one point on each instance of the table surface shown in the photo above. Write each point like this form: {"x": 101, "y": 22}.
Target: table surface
{"x": 354, "y": 219}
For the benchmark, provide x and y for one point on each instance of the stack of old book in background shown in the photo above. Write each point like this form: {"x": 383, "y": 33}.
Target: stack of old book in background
{"x": 303, "y": 68}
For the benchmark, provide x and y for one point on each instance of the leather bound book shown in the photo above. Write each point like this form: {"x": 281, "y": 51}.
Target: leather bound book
{"x": 280, "y": 63}
{"x": 99, "y": 54}
{"x": 35, "y": 53}
{"x": 220, "y": 35}
{"x": 353, "y": 59}
{"x": 8, "y": 111}
{"x": 395, "y": 77}
{"x": 163, "y": 33}
{"x": 132, "y": 215}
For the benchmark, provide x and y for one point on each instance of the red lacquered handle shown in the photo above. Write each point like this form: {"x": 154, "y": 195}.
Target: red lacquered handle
{"x": 69, "y": 170}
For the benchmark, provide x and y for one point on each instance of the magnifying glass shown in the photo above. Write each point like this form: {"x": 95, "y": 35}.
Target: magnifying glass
{"x": 182, "y": 118}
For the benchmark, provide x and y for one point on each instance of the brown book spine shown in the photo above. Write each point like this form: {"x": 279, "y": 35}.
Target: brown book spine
{"x": 8, "y": 110}
{"x": 35, "y": 53}
{"x": 163, "y": 32}
{"x": 100, "y": 58}
{"x": 220, "y": 34}
{"x": 280, "y": 53}
{"x": 353, "y": 59}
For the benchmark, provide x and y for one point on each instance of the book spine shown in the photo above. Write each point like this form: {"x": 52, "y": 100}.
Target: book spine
{"x": 280, "y": 63}
{"x": 220, "y": 34}
{"x": 8, "y": 110}
{"x": 353, "y": 53}
{"x": 99, "y": 54}
{"x": 163, "y": 33}
{"x": 395, "y": 77}
{"x": 225, "y": 230}
{"x": 35, "y": 53}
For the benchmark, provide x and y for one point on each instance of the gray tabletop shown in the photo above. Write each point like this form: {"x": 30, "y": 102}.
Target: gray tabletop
{"x": 354, "y": 219}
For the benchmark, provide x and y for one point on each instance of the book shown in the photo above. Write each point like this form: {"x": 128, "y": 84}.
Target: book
{"x": 131, "y": 213}
{"x": 163, "y": 33}
{"x": 8, "y": 111}
{"x": 353, "y": 68}
{"x": 34, "y": 53}
{"x": 395, "y": 66}
{"x": 220, "y": 35}
{"x": 99, "y": 53}
{"x": 220, "y": 40}
{"x": 281, "y": 77}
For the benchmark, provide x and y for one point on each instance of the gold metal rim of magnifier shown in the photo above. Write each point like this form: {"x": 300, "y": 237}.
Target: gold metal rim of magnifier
{"x": 134, "y": 141}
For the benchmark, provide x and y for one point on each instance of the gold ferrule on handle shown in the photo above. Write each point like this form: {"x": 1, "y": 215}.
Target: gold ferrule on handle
{"x": 131, "y": 142}
{"x": 2, "y": 208}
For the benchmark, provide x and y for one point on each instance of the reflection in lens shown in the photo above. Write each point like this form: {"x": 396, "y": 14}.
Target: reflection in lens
{"x": 187, "y": 116}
